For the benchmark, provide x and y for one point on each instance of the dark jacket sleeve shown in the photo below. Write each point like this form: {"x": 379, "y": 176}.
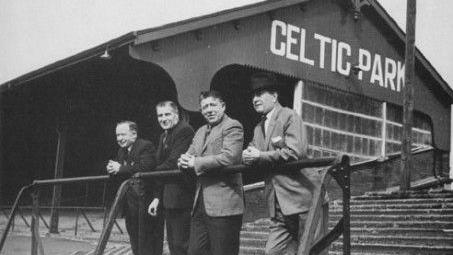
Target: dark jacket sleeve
{"x": 181, "y": 142}
{"x": 144, "y": 160}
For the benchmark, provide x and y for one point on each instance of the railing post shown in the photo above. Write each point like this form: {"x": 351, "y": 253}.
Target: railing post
{"x": 111, "y": 218}
{"x": 62, "y": 131}
{"x": 12, "y": 213}
{"x": 35, "y": 237}
{"x": 346, "y": 209}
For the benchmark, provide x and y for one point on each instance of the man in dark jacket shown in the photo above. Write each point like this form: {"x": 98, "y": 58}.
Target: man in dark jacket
{"x": 138, "y": 155}
{"x": 179, "y": 192}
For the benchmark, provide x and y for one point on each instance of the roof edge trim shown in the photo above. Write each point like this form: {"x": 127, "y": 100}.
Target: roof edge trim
{"x": 77, "y": 58}
{"x": 204, "y": 21}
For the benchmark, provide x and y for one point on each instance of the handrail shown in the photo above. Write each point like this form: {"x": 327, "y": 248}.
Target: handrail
{"x": 72, "y": 180}
{"x": 295, "y": 165}
{"x": 389, "y": 157}
{"x": 12, "y": 214}
{"x": 320, "y": 162}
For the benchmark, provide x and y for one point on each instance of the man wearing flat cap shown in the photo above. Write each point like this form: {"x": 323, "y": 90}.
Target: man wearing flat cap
{"x": 280, "y": 137}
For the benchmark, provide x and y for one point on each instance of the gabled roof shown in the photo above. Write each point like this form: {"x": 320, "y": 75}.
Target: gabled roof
{"x": 193, "y": 24}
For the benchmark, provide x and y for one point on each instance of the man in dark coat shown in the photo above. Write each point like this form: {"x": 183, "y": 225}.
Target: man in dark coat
{"x": 179, "y": 192}
{"x": 138, "y": 155}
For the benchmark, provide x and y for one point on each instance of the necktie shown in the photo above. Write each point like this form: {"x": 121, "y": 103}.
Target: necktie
{"x": 164, "y": 139}
{"x": 263, "y": 124}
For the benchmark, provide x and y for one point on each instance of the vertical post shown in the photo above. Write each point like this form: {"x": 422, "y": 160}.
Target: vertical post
{"x": 35, "y": 238}
{"x": 346, "y": 208}
{"x": 298, "y": 97}
{"x": 406, "y": 154}
{"x": 450, "y": 186}
{"x": 62, "y": 131}
{"x": 1, "y": 151}
{"x": 384, "y": 129}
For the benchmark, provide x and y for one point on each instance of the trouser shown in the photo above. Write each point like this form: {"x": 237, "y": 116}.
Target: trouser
{"x": 177, "y": 222}
{"x": 145, "y": 232}
{"x": 284, "y": 237}
{"x": 214, "y": 235}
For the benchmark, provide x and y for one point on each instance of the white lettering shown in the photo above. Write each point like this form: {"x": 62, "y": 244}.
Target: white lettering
{"x": 290, "y": 40}
{"x": 302, "y": 57}
{"x": 280, "y": 51}
{"x": 322, "y": 48}
{"x": 376, "y": 72}
{"x": 400, "y": 77}
{"x": 342, "y": 46}
{"x": 390, "y": 73}
{"x": 364, "y": 62}
{"x": 333, "y": 64}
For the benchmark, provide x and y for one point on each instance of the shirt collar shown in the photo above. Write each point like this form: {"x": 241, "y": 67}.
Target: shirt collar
{"x": 269, "y": 114}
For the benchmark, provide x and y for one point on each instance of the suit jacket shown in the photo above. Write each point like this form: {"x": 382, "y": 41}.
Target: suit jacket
{"x": 214, "y": 148}
{"x": 285, "y": 140}
{"x": 178, "y": 193}
{"x": 141, "y": 158}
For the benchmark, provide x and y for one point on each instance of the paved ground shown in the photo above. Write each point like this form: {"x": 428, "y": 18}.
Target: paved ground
{"x": 18, "y": 244}
{"x": 67, "y": 241}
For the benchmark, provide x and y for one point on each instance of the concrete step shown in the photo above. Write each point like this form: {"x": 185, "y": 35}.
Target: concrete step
{"x": 255, "y": 234}
{"x": 410, "y": 231}
{"x": 402, "y": 239}
{"x": 400, "y": 224}
{"x": 248, "y": 250}
{"x": 397, "y": 195}
{"x": 399, "y": 217}
{"x": 253, "y": 242}
{"x": 372, "y": 224}
{"x": 360, "y": 211}
{"x": 401, "y": 231}
{"x": 361, "y": 201}
{"x": 396, "y": 248}
{"x": 409, "y": 206}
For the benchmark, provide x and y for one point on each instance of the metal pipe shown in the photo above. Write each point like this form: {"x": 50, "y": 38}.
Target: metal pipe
{"x": 12, "y": 213}
{"x": 111, "y": 218}
{"x": 71, "y": 180}
{"x": 295, "y": 165}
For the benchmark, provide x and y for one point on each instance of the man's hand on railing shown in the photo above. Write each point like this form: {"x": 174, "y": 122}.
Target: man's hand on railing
{"x": 186, "y": 161}
{"x": 250, "y": 155}
{"x": 113, "y": 167}
{"x": 152, "y": 209}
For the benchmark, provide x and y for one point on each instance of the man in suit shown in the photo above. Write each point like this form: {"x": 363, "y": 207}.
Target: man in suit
{"x": 218, "y": 206}
{"x": 137, "y": 155}
{"x": 280, "y": 137}
{"x": 178, "y": 193}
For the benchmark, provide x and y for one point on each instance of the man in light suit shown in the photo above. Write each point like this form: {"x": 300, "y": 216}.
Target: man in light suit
{"x": 137, "y": 155}
{"x": 219, "y": 205}
{"x": 280, "y": 137}
{"x": 178, "y": 193}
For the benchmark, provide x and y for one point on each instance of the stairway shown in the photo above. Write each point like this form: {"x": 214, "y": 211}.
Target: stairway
{"x": 418, "y": 223}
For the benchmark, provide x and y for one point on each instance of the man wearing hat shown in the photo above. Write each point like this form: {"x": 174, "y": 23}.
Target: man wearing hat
{"x": 280, "y": 137}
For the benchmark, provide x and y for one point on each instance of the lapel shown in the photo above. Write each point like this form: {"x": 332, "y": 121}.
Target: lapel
{"x": 160, "y": 149}
{"x": 271, "y": 126}
{"x": 131, "y": 155}
{"x": 212, "y": 134}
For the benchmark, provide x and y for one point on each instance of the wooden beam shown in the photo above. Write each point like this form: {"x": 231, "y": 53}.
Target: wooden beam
{"x": 408, "y": 101}
{"x": 62, "y": 131}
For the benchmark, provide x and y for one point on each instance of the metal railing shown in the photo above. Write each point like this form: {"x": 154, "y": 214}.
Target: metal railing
{"x": 340, "y": 169}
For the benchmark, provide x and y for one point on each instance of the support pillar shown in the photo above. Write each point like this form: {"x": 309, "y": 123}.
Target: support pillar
{"x": 1, "y": 151}
{"x": 408, "y": 102}
{"x": 62, "y": 131}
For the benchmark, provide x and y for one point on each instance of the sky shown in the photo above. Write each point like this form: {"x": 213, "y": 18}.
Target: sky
{"x": 35, "y": 33}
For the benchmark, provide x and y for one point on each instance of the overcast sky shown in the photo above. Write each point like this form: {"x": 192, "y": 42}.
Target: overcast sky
{"x": 35, "y": 33}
